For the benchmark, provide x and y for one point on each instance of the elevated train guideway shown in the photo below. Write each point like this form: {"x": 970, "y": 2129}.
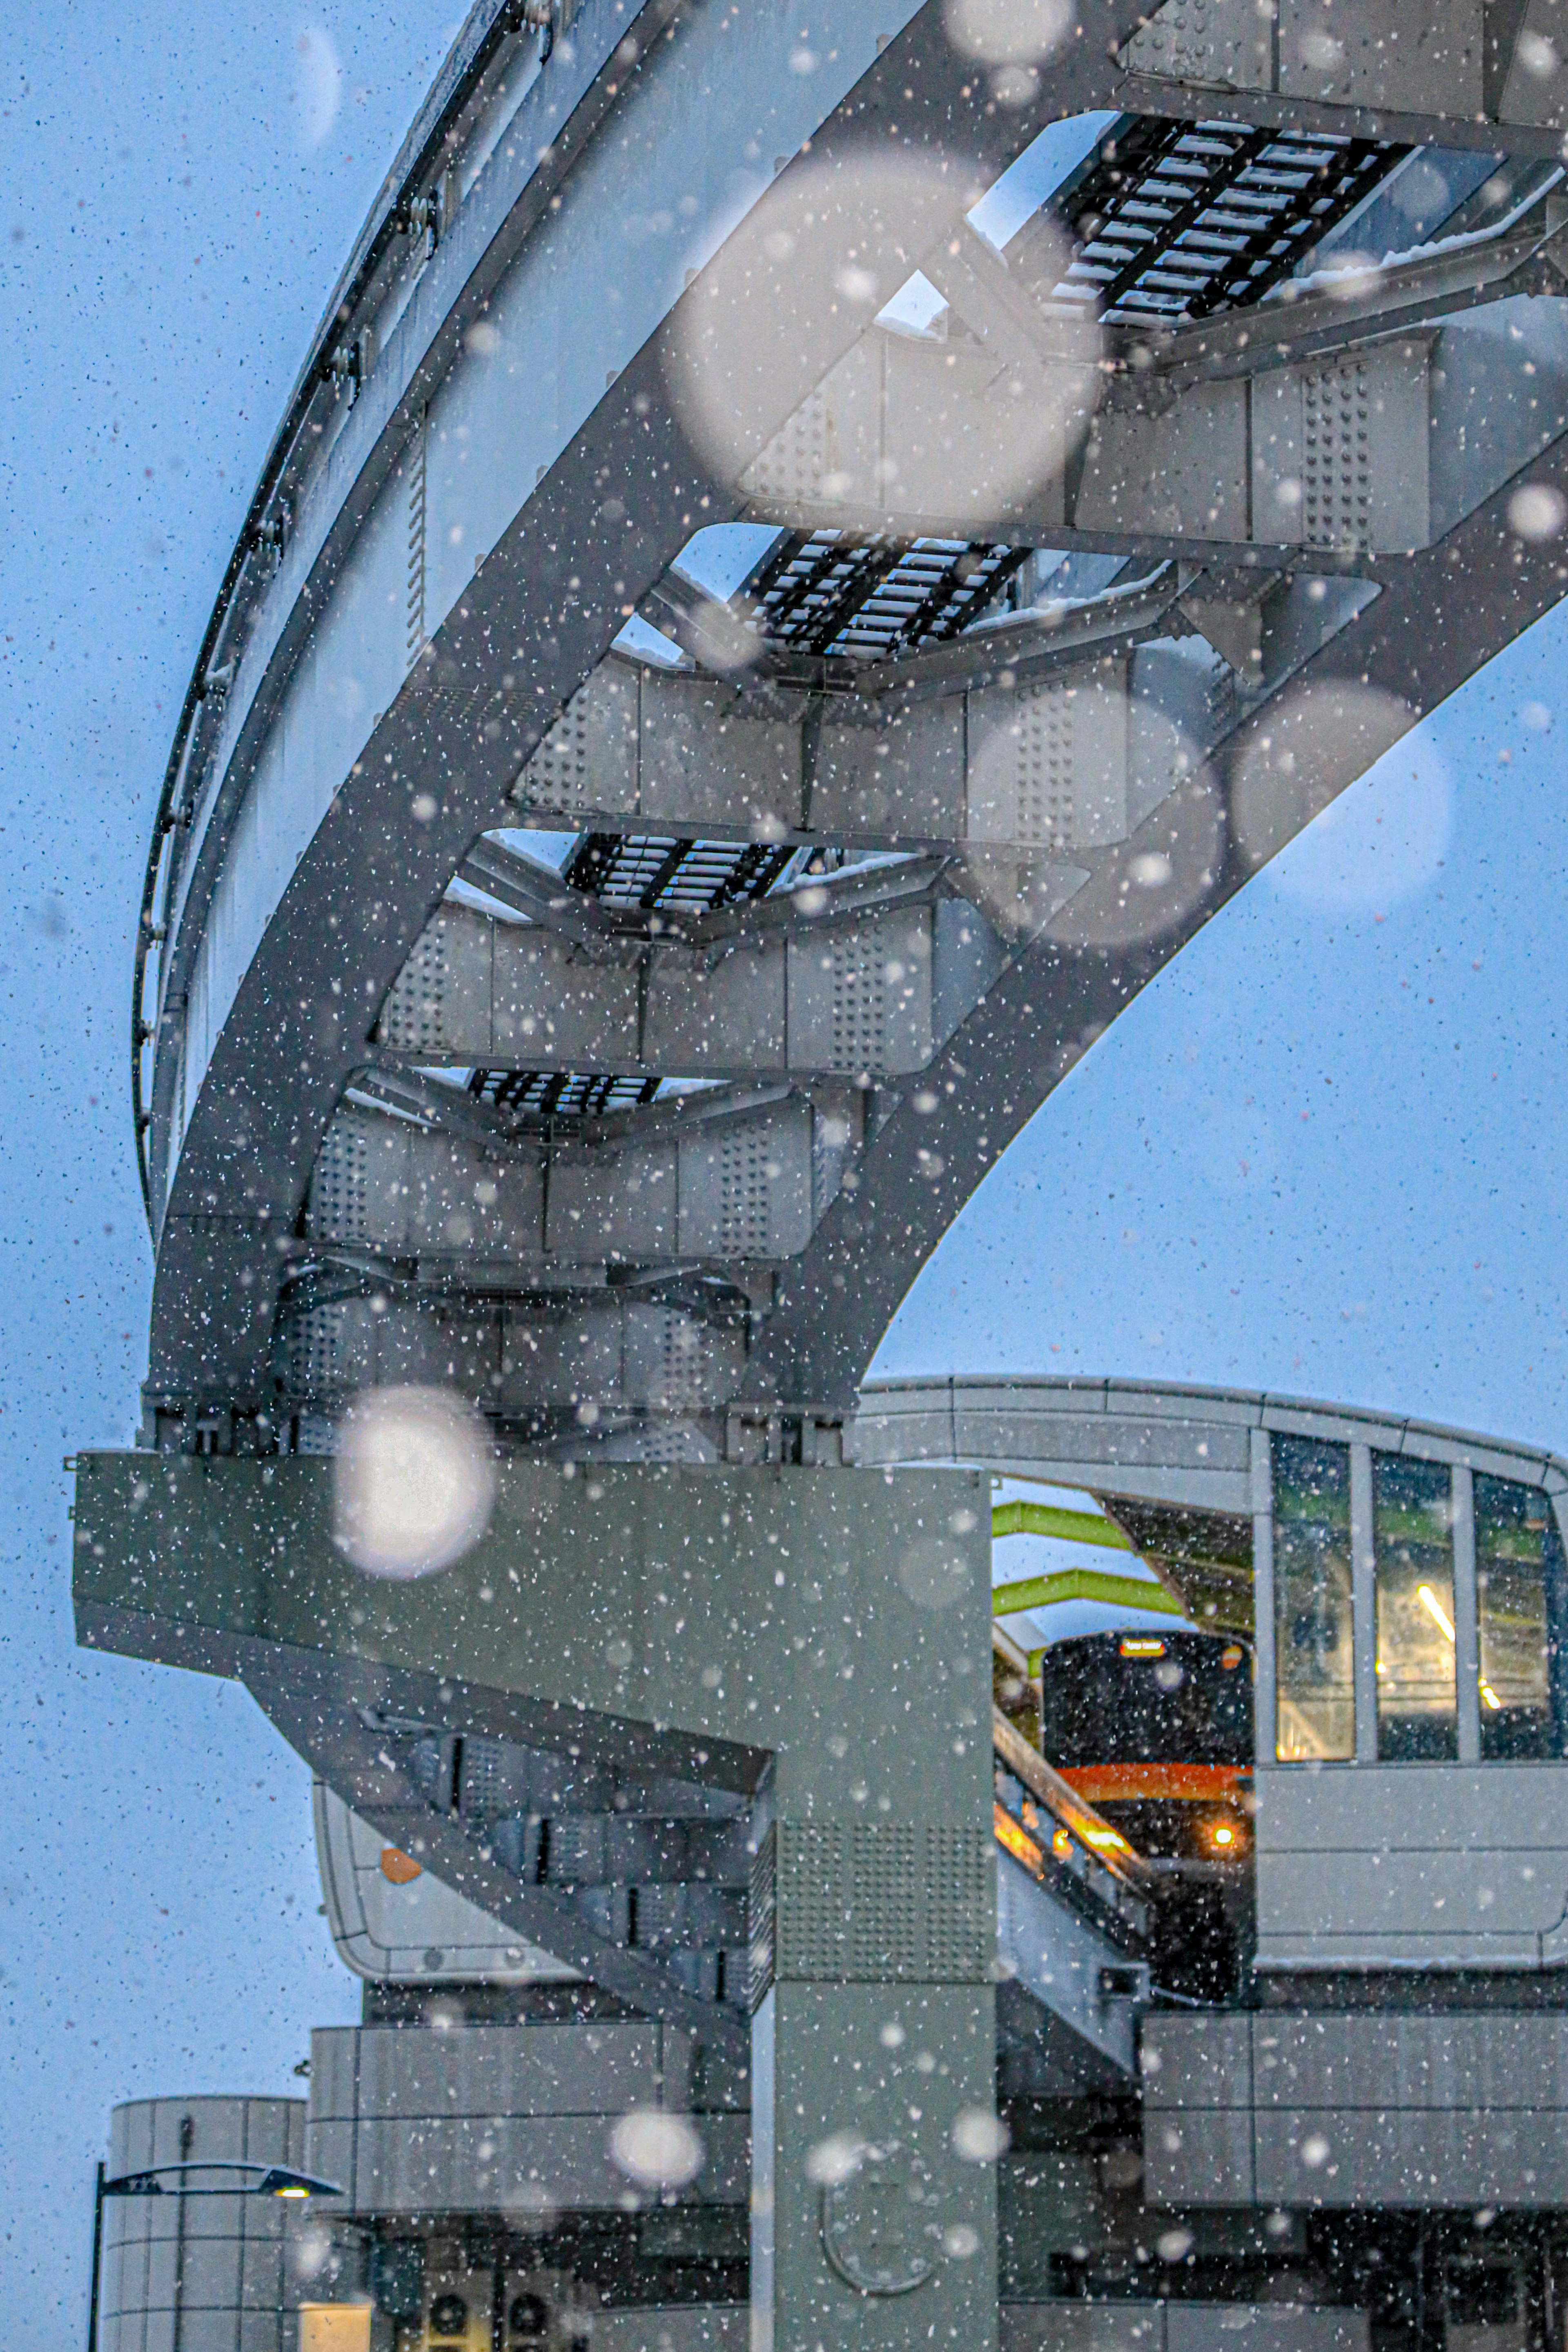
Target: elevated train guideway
{"x": 802, "y": 565}
{"x": 1093, "y": 544}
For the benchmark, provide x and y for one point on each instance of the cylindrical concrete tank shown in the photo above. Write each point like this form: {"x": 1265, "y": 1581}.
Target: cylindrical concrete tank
{"x": 185, "y": 2273}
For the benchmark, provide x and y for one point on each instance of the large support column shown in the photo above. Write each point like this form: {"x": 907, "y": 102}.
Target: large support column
{"x": 815, "y": 1639}
{"x": 873, "y": 2050}
{"x": 868, "y": 2228}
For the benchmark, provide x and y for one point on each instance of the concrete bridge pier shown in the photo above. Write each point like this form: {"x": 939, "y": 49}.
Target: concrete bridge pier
{"x": 815, "y": 1640}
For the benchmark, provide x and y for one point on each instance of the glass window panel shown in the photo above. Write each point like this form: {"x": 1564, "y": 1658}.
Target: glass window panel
{"x": 1521, "y": 1611}
{"x": 1413, "y": 1538}
{"x": 1313, "y": 1647}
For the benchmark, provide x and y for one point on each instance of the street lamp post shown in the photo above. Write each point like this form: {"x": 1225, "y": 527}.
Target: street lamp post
{"x": 276, "y": 2180}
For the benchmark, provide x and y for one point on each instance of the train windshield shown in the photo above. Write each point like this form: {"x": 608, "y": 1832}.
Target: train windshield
{"x": 1122, "y": 1698}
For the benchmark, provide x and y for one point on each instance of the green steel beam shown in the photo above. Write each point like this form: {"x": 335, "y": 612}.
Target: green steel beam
{"x": 1083, "y": 1584}
{"x": 1052, "y": 1519}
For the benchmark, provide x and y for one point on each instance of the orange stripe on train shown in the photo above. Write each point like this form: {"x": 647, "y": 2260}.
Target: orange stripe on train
{"x": 1194, "y": 1783}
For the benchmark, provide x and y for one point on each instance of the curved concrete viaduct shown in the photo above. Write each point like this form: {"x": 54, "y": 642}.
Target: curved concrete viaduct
{"x": 1113, "y": 545}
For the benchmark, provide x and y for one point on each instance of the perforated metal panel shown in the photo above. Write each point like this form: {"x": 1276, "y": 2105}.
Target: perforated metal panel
{"x": 1336, "y": 470}
{"x": 411, "y": 1018}
{"x": 680, "y": 1362}
{"x": 744, "y": 1222}
{"x": 865, "y": 1902}
{"x": 1340, "y": 449}
{"x": 424, "y": 1001}
{"x": 1048, "y": 768}
{"x": 860, "y": 1014}
{"x": 672, "y": 1442}
{"x": 1204, "y": 40}
{"x": 589, "y": 758}
{"x": 383, "y": 1182}
{"x": 745, "y": 1186}
{"x": 797, "y": 461}
{"x": 483, "y": 1777}
{"x": 666, "y": 1358}
{"x": 312, "y": 1346}
{"x": 859, "y": 997}
{"x": 339, "y": 1185}
{"x": 328, "y": 1350}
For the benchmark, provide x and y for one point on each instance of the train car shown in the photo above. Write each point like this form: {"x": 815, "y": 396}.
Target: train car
{"x": 1155, "y": 1730}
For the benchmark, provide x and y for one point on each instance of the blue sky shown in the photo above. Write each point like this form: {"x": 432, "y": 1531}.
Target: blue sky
{"x": 1320, "y": 1154}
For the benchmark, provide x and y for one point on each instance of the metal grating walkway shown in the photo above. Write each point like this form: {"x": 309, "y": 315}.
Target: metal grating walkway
{"x": 869, "y": 599}
{"x": 560, "y": 1094}
{"x": 1177, "y": 220}
{"x": 661, "y": 871}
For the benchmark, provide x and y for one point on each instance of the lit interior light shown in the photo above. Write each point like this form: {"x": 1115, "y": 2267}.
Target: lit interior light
{"x": 1224, "y": 1835}
{"x": 1434, "y": 1608}
{"x": 1490, "y": 1696}
{"x": 1106, "y": 1838}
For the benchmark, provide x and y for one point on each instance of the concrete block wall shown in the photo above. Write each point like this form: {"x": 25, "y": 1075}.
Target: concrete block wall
{"x": 414, "y": 2119}
{"x": 1356, "y": 2108}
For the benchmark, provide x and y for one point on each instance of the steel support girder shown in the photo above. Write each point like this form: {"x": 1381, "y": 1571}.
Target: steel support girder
{"x": 1383, "y": 66}
{"x": 955, "y": 768}
{"x": 320, "y": 1708}
{"x": 746, "y": 1183}
{"x": 1439, "y": 619}
{"x": 435, "y": 772}
{"x": 511, "y": 203}
{"x": 935, "y": 767}
{"x": 431, "y": 777}
{"x": 534, "y": 1364}
{"x": 858, "y": 998}
{"x": 1230, "y": 443}
{"x": 1038, "y": 1019}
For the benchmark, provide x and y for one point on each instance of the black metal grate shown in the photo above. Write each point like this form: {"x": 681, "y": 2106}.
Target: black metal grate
{"x": 869, "y": 599}
{"x": 1177, "y": 220}
{"x": 663, "y": 872}
{"x": 560, "y": 1094}
{"x": 656, "y": 873}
